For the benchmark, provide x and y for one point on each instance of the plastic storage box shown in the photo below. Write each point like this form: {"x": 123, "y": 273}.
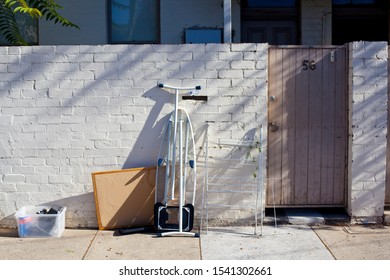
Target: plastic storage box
{"x": 41, "y": 221}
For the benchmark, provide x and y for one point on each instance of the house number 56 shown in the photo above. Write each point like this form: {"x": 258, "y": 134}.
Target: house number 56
{"x": 309, "y": 65}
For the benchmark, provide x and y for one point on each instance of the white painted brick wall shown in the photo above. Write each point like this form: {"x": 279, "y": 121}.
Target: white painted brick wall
{"x": 68, "y": 111}
{"x": 368, "y": 68}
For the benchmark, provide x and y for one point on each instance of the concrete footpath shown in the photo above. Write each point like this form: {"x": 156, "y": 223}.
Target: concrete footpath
{"x": 282, "y": 242}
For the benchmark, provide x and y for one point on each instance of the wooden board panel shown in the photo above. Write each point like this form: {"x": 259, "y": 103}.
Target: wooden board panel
{"x": 328, "y": 132}
{"x": 124, "y": 198}
{"x": 301, "y": 112}
{"x": 340, "y": 127}
{"x": 387, "y": 190}
{"x": 288, "y": 153}
{"x": 314, "y": 125}
{"x": 275, "y": 116}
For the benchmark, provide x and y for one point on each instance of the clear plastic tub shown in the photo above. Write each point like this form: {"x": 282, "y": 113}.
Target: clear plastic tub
{"x": 41, "y": 221}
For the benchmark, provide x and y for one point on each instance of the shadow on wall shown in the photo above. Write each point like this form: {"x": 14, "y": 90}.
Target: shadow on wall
{"x": 145, "y": 150}
{"x": 100, "y": 96}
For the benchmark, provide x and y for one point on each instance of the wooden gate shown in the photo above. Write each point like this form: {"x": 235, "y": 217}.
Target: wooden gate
{"x": 387, "y": 190}
{"x": 307, "y": 136}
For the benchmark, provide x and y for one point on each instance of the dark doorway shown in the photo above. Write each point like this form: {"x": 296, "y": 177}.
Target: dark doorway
{"x": 359, "y": 20}
{"x": 273, "y": 22}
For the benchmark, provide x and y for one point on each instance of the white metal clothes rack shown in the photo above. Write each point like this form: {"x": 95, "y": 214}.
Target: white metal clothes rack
{"x": 233, "y": 178}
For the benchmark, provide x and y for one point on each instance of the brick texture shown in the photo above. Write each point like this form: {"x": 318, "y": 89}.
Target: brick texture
{"x": 368, "y": 67}
{"x": 68, "y": 111}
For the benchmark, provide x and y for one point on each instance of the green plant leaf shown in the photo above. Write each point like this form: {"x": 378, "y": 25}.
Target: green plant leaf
{"x": 47, "y": 9}
{"x": 8, "y": 26}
